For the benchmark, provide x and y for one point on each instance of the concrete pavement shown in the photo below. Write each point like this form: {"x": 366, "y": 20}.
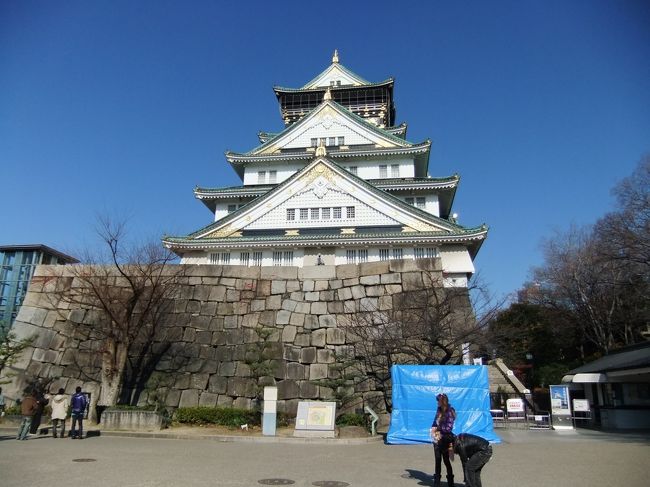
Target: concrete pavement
{"x": 524, "y": 459}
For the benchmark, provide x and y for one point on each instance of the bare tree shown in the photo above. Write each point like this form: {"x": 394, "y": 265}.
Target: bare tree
{"x": 424, "y": 326}
{"x": 122, "y": 307}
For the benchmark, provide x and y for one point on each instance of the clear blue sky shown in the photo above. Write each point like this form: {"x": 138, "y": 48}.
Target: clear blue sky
{"x": 125, "y": 106}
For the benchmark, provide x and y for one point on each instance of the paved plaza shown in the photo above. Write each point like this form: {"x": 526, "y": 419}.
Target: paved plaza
{"x": 524, "y": 459}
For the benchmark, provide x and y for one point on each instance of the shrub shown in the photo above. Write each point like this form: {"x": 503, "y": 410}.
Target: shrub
{"x": 231, "y": 417}
{"x": 352, "y": 419}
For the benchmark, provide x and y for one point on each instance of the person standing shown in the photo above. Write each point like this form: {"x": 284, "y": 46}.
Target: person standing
{"x": 60, "y": 405}
{"x": 2, "y": 404}
{"x": 79, "y": 404}
{"x": 474, "y": 453}
{"x": 42, "y": 400}
{"x": 443, "y": 445}
{"x": 28, "y": 408}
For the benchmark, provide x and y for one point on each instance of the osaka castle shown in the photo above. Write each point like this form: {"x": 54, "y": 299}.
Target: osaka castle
{"x": 340, "y": 184}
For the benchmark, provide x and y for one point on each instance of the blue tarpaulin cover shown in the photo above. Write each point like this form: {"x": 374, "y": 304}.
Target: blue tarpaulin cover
{"x": 414, "y": 401}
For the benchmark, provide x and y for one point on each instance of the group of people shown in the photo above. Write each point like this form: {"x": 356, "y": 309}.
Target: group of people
{"x": 474, "y": 451}
{"x": 34, "y": 403}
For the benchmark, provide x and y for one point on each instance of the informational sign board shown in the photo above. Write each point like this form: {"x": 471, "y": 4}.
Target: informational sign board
{"x": 515, "y": 405}
{"x": 315, "y": 419}
{"x": 560, "y": 407}
{"x": 581, "y": 406}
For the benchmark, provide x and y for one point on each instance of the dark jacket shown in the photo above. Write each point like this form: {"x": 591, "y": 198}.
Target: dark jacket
{"x": 78, "y": 402}
{"x": 29, "y": 406}
{"x": 467, "y": 445}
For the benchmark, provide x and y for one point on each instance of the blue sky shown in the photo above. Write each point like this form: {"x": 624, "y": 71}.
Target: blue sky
{"x": 123, "y": 107}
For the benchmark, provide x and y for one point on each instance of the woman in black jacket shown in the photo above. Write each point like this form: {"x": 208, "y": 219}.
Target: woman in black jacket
{"x": 474, "y": 453}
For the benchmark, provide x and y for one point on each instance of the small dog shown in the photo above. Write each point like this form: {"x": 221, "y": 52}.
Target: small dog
{"x": 244, "y": 427}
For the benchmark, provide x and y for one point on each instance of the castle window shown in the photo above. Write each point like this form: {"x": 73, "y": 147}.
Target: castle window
{"x": 244, "y": 258}
{"x": 398, "y": 254}
{"x": 349, "y": 211}
{"x": 409, "y": 201}
{"x": 337, "y": 213}
{"x": 331, "y": 141}
{"x": 261, "y": 177}
{"x": 420, "y": 202}
{"x": 273, "y": 176}
{"x": 314, "y": 141}
{"x": 232, "y": 208}
{"x": 257, "y": 258}
{"x": 326, "y": 213}
{"x": 394, "y": 170}
{"x": 353, "y": 169}
{"x": 282, "y": 258}
{"x": 425, "y": 253}
{"x": 351, "y": 256}
{"x": 304, "y": 213}
{"x": 291, "y": 214}
{"x": 363, "y": 255}
{"x": 383, "y": 171}
{"x": 340, "y": 141}
{"x": 221, "y": 258}
{"x": 384, "y": 254}
{"x": 315, "y": 213}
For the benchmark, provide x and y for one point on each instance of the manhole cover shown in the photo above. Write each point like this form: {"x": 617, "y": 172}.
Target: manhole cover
{"x": 83, "y": 460}
{"x": 330, "y": 483}
{"x": 275, "y": 482}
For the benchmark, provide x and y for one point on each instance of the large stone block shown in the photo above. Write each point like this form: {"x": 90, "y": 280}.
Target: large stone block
{"x": 293, "y": 286}
{"x": 278, "y": 287}
{"x": 326, "y": 295}
{"x": 172, "y": 398}
{"x": 344, "y": 294}
{"x": 235, "y": 337}
{"x": 308, "y": 390}
{"x": 308, "y": 355}
{"x": 208, "y": 399}
{"x": 296, "y": 371}
{"x": 317, "y": 272}
{"x": 209, "y": 308}
{"x": 288, "y": 333}
{"x": 347, "y": 271}
{"x": 204, "y": 337}
{"x": 335, "y": 336}
{"x": 243, "y": 370}
{"x": 189, "y": 398}
{"x": 318, "y": 371}
{"x": 258, "y": 305}
{"x": 308, "y": 285}
{"x": 267, "y": 318}
{"x": 240, "y": 308}
{"x": 233, "y": 295}
{"x": 291, "y": 353}
{"x": 302, "y": 340}
{"x": 370, "y": 268}
{"x": 392, "y": 278}
{"x": 199, "y": 381}
{"x": 243, "y": 403}
{"x": 335, "y": 307}
{"x": 297, "y": 296}
{"x": 318, "y": 308}
{"x": 312, "y": 296}
{"x": 369, "y": 304}
{"x": 288, "y": 389}
{"x": 289, "y": 304}
{"x": 318, "y": 337}
{"x": 274, "y": 302}
{"x": 241, "y": 271}
{"x": 227, "y": 369}
{"x": 297, "y": 319}
{"x": 326, "y": 321}
{"x": 412, "y": 281}
{"x": 282, "y": 317}
{"x": 358, "y": 292}
{"x": 251, "y": 320}
{"x": 193, "y": 307}
{"x": 217, "y": 293}
{"x": 231, "y": 321}
{"x": 224, "y": 401}
{"x": 201, "y": 293}
{"x": 272, "y": 272}
{"x": 229, "y": 282}
{"x": 303, "y": 308}
{"x": 263, "y": 288}
{"x": 374, "y": 290}
{"x": 218, "y": 384}
{"x": 371, "y": 280}
{"x": 325, "y": 356}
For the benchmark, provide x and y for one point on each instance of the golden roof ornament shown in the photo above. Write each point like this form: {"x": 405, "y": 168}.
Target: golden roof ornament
{"x": 321, "y": 151}
{"x": 335, "y": 57}
{"x": 328, "y": 95}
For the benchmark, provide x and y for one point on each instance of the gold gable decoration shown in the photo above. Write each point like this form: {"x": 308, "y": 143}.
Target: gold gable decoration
{"x": 227, "y": 231}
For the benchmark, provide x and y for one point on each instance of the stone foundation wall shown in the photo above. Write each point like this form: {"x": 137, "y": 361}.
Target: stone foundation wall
{"x": 232, "y": 330}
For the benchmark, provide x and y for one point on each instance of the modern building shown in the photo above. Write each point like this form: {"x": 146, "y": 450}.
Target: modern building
{"x": 17, "y": 264}
{"x": 340, "y": 184}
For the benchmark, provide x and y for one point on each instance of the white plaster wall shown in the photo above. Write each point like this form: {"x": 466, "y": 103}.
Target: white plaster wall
{"x": 284, "y": 171}
{"x": 456, "y": 260}
{"x": 364, "y": 214}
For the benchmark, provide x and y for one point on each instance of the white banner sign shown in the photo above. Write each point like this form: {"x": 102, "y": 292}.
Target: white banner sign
{"x": 581, "y": 405}
{"x": 515, "y": 405}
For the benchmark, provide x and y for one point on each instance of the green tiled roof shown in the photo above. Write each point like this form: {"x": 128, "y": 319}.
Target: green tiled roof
{"x": 284, "y": 89}
{"x": 451, "y": 227}
{"x": 381, "y": 132}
